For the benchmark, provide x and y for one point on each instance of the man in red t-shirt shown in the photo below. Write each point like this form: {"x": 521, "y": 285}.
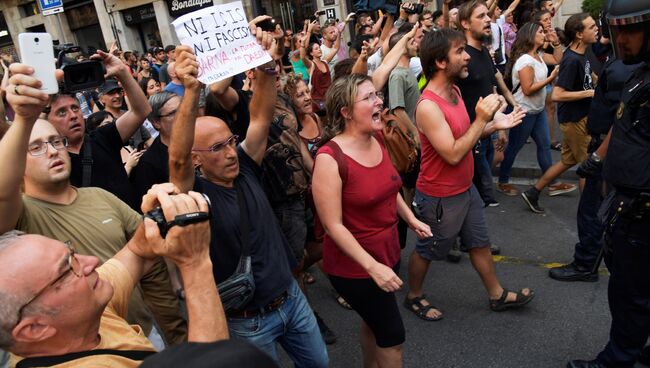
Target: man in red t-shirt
{"x": 445, "y": 197}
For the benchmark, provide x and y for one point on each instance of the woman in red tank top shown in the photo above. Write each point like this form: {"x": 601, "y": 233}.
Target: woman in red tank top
{"x": 356, "y": 191}
{"x": 319, "y": 71}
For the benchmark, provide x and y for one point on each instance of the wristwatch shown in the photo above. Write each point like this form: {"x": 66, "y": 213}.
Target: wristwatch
{"x": 595, "y": 157}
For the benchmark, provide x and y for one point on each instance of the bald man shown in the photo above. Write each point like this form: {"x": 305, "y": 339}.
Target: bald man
{"x": 230, "y": 175}
{"x": 174, "y": 85}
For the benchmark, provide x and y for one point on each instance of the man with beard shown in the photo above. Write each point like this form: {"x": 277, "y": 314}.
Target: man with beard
{"x": 482, "y": 80}
{"x": 445, "y": 197}
{"x": 331, "y": 44}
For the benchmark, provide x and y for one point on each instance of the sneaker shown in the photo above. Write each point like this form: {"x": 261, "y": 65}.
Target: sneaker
{"x": 531, "y": 196}
{"x": 572, "y": 272}
{"x": 328, "y": 335}
{"x": 507, "y": 189}
{"x": 491, "y": 203}
{"x": 560, "y": 188}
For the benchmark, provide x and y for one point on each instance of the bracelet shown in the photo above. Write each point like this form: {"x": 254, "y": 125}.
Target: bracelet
{"x": 556, "y": 46}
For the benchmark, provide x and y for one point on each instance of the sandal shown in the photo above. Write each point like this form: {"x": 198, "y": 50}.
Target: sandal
{"x": 557, "y": 146}
{"x": 415, "y": 305}
{"x": 499, "y": 305}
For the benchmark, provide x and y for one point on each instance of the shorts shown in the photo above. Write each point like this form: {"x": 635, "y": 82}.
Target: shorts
{"x": 576, "y": 142}
{"x": 377, "y": 308}
{"x": 461, "y": 214}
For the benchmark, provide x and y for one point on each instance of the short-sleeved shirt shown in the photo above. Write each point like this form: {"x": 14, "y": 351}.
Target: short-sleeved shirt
{"x": 153, "y": 168}
{"x": 107, "y": 169}
{"x": 574, "y": 75}
{"x": 164, "y": 76}
{"x": 178, "y": 89}
{"x": 403, "y": 91}
{"x": 535, "y": 103}
{"x": 115, "y": 333}
{"x": 270, "y": 252}
{"x": 481, "y": 79}
{"x": 326, "y": 51}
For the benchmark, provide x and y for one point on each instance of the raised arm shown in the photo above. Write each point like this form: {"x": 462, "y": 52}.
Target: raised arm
{"x": 181, "y": 169}
{"x": 510, "y": 8}
{"x": 226, "y": 96}
{"x": 335, "y": 50}
{"x": 131, "y": 121}
{"x": 28, "y": 102}
{"x": 382, "y": 73}
{"x": 304, "y": 44}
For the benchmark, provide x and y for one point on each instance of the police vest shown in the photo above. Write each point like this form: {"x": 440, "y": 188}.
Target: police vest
{"x": 627, "y": 165}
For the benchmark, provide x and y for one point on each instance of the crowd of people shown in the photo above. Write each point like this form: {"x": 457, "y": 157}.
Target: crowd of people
{"x": 294, "y": 165}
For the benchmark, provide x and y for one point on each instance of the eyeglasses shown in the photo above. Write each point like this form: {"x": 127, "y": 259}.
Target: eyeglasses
{"x": 39, "y": 148}
{"x": 373, "y": 97}
{"x": 171, "y": 113}
{"x": 73, "y": 266}
{"x": 230, "y": 142}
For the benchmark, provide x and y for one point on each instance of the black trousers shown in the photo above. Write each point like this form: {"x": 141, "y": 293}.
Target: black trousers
{"x": 628, "y": 291}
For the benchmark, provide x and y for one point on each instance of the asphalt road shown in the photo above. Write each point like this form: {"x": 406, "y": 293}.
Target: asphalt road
{"x": 565, "y": 321}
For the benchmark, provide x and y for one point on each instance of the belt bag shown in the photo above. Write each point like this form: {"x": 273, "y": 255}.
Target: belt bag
{"x": 237, "y": 291}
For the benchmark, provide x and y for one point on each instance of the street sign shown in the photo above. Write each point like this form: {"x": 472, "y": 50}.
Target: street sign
{"x": 330, "y": 13}
{"x": 49, "y": 7}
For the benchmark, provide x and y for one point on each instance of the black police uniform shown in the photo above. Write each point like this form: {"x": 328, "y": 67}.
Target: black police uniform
{"x": 627, "y": 169}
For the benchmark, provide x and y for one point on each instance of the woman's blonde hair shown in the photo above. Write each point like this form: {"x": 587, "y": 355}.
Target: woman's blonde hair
{"x": 341, "y": 93}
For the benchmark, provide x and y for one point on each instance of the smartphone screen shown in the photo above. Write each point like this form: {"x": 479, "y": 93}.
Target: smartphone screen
{"x": 37, "y": 51}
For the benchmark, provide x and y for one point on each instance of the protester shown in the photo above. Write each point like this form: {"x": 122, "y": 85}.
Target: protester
{"x": 278, "y": 311}
{"x": 527, "y": 70}
{"x": 573, "y": 90}
{"x": 361, "y": 250}
{"x": 94, "y": 220}
{"x": 149, "y": 86}
{"x": 319, "y": 71}
{"x": 445, "y": 197}
{"x": 331, "y": 45}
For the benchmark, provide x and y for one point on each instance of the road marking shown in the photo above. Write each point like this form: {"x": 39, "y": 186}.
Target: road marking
{"x": 514, "y": 260}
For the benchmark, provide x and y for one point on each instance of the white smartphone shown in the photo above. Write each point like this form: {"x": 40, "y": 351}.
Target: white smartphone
{"x": 37, "y": 51}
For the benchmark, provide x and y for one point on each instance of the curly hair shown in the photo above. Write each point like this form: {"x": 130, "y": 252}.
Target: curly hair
{"x": 289, "y": 83}
{"x": 341, "y": 93}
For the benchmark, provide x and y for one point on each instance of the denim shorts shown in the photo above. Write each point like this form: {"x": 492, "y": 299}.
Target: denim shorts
{"x": 292, "y": 325}
{"x": 461, "y": 214}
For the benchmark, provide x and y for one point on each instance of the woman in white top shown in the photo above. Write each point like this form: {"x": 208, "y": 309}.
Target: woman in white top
{"x": 528, "y": 72}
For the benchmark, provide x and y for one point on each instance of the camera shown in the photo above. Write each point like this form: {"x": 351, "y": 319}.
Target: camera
{"x": 417, "y": 9}
{"x": 78, "y": 76}
{"x": 158, "y": 217}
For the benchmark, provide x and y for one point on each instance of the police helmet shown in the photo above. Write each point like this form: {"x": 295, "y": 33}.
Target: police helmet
{"x": 629, "y": 28}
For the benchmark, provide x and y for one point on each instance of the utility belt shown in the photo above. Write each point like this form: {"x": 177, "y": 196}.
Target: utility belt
{"x": 633, "y": 207}
{"x": 273, "y": 305}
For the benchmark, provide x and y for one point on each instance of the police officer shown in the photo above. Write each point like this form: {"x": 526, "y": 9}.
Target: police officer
{"x": 627, "y": 170}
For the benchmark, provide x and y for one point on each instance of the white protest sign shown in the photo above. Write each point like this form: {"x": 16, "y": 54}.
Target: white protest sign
{"x": 221, "y": 40}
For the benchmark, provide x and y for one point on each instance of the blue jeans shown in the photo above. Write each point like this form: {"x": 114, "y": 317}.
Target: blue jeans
{"x": 535, "y": 126}
{"x": 293, "y": 325}
{"x": 483, "y": 154}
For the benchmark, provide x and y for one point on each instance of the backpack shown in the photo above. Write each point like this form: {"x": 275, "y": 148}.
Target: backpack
{"x": 401, "y": 147}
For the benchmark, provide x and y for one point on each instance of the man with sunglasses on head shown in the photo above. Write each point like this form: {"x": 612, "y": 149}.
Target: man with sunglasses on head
{"x": 62, "y": 308}
{"x": 231, "y": 176}
{"x": 96, "y": 221}
{"x": 95, "y": 157}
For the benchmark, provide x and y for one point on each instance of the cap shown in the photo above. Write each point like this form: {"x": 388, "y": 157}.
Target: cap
{"x": 223, "y": 354}
{"x": 109, "y": 85}
{"x": 158, "y": 49}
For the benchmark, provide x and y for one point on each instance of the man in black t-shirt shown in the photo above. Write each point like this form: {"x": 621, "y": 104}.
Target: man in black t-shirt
{"x": 231, "y": 178}
{"x": 104, "y": 165}
{"x": 573, "y": 91}
{"x": 482, "y": 80}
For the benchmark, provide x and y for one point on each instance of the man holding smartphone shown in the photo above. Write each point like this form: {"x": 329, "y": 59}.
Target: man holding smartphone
{"x": 95, "y": 157}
